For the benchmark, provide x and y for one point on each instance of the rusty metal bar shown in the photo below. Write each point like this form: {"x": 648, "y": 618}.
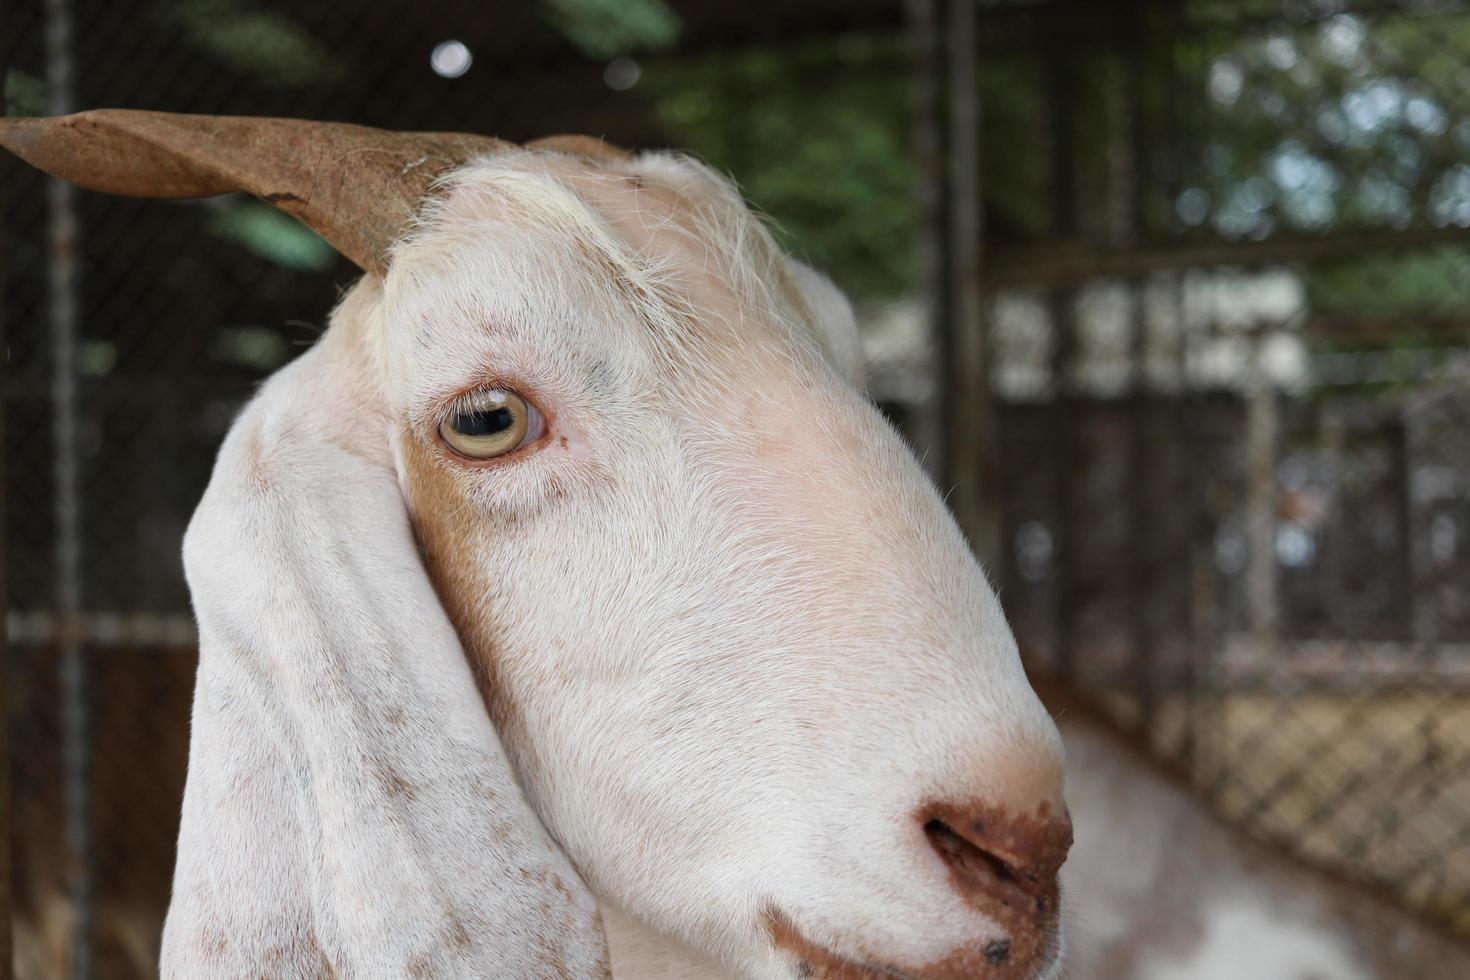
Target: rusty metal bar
{"x": 972, "y": 468}
{"x": 1069, "y": 261}
{"x": 926, "y": 47}
{"x": 962, "y": 426}
{"x": 1062, "y": 307}
{"x": 7, "y": 819}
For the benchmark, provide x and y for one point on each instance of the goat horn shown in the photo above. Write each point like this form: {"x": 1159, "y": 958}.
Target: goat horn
{"x": 355, "y": 186}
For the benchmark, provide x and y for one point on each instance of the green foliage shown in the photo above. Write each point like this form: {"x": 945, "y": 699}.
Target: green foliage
{"x": 819, "y": 138}
{"x": 1427, "y": 283}
{"x": 1342, "y": 122}
{"x": 267, "y": 45}
{"x": 603, "y": 28}
{"x": 273, "y": 236}
{"x": 25, "y": 95}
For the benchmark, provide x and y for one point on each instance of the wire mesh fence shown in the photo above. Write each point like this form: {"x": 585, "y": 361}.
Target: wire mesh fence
{"x": 1226, "y": 289}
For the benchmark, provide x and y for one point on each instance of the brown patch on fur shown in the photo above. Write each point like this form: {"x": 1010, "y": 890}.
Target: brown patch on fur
{"x": 815, "y": 961}
{"x": 301, "y": 956}
{"x": 987, "y": 958}
{"x": 551, "y": 955}
{"x": 312, "y": 950}
{"x": 443, "y": 525}
{"x": 549, "y": 951}
{"x": 212, "y": 945}
{"x": 604, "y": 958}
{"x": 458, "y": 934}
{"x": 978, "y": 960}
{"x": 394, "y": 784}
{"x": 561, "y": 889}
{"x": 421, "y": 965}
{"x": 820, "y": 963}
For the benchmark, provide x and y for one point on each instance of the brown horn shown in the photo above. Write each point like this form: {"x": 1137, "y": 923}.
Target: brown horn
{"x": 355, "y": 186}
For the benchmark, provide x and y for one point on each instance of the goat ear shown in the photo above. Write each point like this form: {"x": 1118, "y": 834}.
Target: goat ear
{"x": 356, "y": 186}
{"x": 349, "y": 810}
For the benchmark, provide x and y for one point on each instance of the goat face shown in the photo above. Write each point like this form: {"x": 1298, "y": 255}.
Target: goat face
{"x": 743, "y": 664}
{"x": 740, "y": 656}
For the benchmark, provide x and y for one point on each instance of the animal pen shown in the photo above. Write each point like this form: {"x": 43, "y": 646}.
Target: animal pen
{"x": 1174, "y": 293}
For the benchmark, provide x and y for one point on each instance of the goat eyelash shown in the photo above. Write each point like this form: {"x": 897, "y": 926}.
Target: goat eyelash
{"x": 487, "y": 398}
{"x": 478, "y": 399}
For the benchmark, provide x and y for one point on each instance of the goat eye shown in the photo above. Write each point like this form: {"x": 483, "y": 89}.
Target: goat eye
{"x": 490, "y": 423}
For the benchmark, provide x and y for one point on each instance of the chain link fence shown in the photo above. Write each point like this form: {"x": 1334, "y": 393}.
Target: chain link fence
{"x": 1226, "y": 281}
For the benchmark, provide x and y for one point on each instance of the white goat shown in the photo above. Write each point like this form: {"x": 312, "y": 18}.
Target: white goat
{"x": 760, "y": 713}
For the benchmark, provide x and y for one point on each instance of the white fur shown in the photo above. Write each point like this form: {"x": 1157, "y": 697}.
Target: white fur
{"x": 741, "y": 638}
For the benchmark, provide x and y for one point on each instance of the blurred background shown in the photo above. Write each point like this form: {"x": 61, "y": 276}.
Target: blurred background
{"x": 1174, "y": 296}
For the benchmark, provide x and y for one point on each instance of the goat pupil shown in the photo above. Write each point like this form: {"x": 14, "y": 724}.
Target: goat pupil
{"x": 487, "y": 423}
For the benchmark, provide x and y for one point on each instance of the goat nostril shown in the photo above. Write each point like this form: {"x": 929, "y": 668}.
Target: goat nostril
{"x": 965, "y": 856}
{"x": 1012, "y": 860}
{"x": 1002, "y": 864}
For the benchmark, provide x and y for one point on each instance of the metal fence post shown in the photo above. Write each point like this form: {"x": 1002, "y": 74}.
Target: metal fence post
{"x": 948, "y": 145}
{"x": 62, "y": 270}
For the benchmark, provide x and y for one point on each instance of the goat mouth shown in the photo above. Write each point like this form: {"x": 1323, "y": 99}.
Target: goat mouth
{"x": 817, "y": 962}
{"x": 822, "y": 963}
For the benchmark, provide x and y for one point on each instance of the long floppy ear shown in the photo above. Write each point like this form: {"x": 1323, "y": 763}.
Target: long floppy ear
{"x": 349, "y": 810}
{"x": 356, "y": 186}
